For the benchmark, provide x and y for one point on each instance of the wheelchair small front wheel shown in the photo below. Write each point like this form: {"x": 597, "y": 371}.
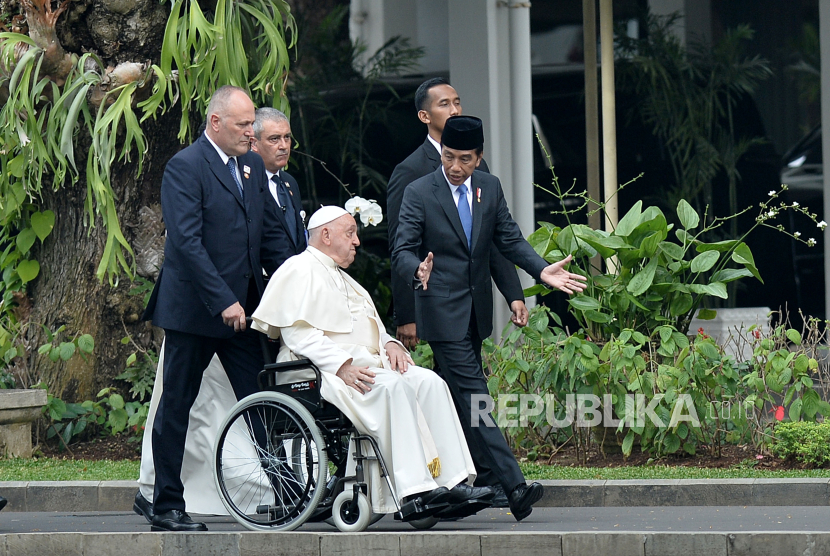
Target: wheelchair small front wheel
{"x": 425, "y": 523}
{"x": 345, "y": 518}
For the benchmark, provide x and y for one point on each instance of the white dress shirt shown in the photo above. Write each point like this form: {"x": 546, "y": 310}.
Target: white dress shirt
{"x": 225, "y": 158}
{"x": 456, "y": 194}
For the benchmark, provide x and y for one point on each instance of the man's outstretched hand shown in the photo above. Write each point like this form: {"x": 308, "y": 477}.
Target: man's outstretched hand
{"x": 424, "y": 270}
{"x": 557, "y": 277}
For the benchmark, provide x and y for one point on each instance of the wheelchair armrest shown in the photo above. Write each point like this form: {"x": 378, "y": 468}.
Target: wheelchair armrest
{"x": 267, "y": 374}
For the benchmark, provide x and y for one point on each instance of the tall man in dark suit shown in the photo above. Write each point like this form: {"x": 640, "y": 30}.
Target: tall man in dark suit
{"x": 222, "y": 231}
{"x": 448, "y": 221}
{"x": 272, "y": 141}
{"x": 436, "y": 101}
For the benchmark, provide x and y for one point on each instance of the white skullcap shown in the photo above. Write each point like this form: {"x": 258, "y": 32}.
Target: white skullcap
{"x": 324, "y": 215}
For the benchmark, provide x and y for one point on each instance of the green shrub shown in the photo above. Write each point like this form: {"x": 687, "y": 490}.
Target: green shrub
{"x": 806, "y": 441}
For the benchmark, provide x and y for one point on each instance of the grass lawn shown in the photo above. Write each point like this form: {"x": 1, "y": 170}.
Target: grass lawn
{"x": 54, "y": 469}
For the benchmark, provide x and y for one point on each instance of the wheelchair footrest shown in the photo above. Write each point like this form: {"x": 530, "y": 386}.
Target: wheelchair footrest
{"x": 464, "y": 509}
{"x": 416, "y": 509}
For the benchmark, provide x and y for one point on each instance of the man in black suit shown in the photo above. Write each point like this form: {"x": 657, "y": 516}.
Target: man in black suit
{"x": 272, "y": 141}
{"x": 445, "y": 258}
{"x": 222, "y": 231}
{"x": 435, "y": 101}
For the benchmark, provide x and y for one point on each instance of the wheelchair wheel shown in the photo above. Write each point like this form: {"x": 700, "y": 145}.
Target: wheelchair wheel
{"x": 264, "y": 480}
{"x": 347, "y": 520}
{"x": 426, "y": 523}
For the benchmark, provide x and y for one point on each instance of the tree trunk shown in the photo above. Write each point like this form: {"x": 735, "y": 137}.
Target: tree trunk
{"x": 67, "y": 292}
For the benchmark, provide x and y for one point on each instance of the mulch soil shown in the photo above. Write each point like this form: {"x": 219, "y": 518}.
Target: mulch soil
{"x": 730, "y": 456}
{"x": 109, "y": 447}
{"x": 119, "y": 448}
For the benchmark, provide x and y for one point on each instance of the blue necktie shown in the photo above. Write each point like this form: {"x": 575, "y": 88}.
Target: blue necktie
{"x": 232, "y": 168}
{"x": 464, "y": 215}
{"x": 287, "y": 207}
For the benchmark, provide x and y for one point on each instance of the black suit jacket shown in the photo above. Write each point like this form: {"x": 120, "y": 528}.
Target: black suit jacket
{"x": 296, "y": 200}
{"x": 460, "y": 277}
{"x": 216, "y": 243}
{"x": 423, "y": 161}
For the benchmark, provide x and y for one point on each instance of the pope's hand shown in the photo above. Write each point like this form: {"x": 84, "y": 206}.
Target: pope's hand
{"x": 358, "y": 378}
{"x": 424, "y": 270}
{"x": 557, "y": 277}
{"x": 234, "y": 316}
{"x": 519, "y": 310}
{"x": 399, "y": 358}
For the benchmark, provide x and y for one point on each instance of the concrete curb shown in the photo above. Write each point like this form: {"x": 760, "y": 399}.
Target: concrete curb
{"x": 619, "y": 543}
{"x": 114, "y": 496}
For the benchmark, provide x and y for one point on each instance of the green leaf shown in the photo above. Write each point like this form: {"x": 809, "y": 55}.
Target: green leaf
{"x": 584, "y": 303}
{"x": 688, "y": 216}
{"x": 28, "y": 270}
{"x": 730, "y": 274}
{"x": 17, "y": 166}
{"x": 716, "y": 289}
{"x": 596, "y": 316}
{"x": 67, "y": 350}
{"x": 707, "y": 314}
{"x": 116, "y": 401}
{"x": 630, "y": 221}
{"x": 743, "y": 255}
{"x": 131, "y": 359}
{"x": 810, "y": 404}
{"x": 25, "y": 240}
{"x": 795, "y": 410}
{"x": 86, "y": 343}
{"x": 672, "y": 443}
{"x": 705, "y": 261}
{"x": 43, "y": 223}
{"x": 681, "y": 305}
{"x": 117, "y": 420}
{"x": 643, "y": 279}
{"x": 672, "y": 250}
{"x": 628, "y": 443}
{"x": 794, "y": 336}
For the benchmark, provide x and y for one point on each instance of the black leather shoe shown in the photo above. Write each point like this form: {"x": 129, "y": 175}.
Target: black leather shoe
{"x": 463, "y": 492}
{"x": 522, "y": 499}
{"x": 500, "y": 499}
{"x": 176, "y": 520}
{"x": 3, "y": 502}
{"x": 143, "y": 507}
{"x": 435, "y": 496}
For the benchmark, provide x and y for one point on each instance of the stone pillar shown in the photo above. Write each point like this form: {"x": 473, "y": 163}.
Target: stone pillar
{"x": 489, "y": 47}
{"x": 824, "y": 37}
{"x": 18, "y": 408}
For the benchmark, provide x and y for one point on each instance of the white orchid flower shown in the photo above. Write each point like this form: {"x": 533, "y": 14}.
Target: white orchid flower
{"x": 357, "y": 205}
{"x": 371, "y": 216}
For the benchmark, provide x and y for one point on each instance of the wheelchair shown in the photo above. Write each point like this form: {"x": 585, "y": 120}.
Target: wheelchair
{"x": 281, "y": 459}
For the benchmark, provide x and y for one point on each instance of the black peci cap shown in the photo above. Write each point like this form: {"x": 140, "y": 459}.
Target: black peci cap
{"x": 464, "y": 133}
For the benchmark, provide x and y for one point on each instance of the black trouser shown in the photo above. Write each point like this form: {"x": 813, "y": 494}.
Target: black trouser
{"x": 186, "y": 356}
{"x": 460, "y": 365}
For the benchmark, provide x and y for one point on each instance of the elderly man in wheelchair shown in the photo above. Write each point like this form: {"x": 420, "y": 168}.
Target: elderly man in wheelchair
{"x": 390, "y": 428}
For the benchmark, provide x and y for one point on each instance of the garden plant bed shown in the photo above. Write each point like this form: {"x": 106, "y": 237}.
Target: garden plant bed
{"x": 120, "y": 448}
{"x": 743, "y": 456}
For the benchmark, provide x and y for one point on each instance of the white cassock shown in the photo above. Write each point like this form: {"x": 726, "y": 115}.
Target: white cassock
{"x": 212, "y": 405}
{"x": 324, "y": 315}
